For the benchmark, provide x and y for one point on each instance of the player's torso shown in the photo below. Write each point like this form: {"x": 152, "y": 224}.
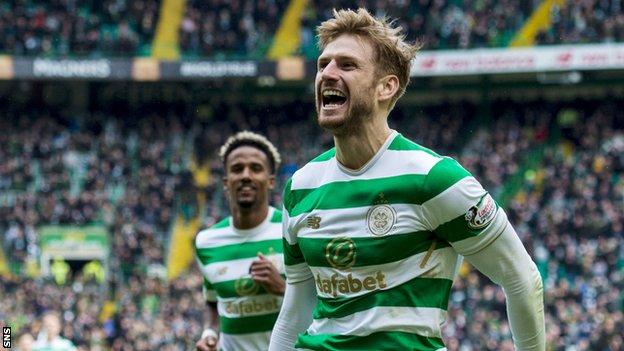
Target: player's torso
{"x": 247, "y": 311}
{"x": 367, "y": 242}
{"x": 376, "y": 266}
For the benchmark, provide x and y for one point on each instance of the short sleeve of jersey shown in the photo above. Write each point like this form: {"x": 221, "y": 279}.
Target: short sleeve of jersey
{"x": 210, "y": 295}
{"x": 459, "y": 210}
{"x": 296, "y": 268}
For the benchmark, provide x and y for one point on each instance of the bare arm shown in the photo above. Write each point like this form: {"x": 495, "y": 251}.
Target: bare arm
{"x": 506, "y": 262}
{"x": 295, "y": 315}
{"x": 209, "y": 341}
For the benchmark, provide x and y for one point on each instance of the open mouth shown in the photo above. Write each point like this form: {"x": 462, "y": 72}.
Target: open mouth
{"x": 332, "y": 98}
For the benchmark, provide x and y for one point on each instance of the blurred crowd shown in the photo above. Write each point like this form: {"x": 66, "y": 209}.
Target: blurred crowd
{"x": 244, "y": 28}
{"x": 224, "y": 28}
{"x": 585, "y": 22}
{"x": 54, "y": 171}
{"x": 569, "y": 215}
{"x": 68, "y": 28}
{"x": 436, "y": 24}
{"x": 129, "y": 174}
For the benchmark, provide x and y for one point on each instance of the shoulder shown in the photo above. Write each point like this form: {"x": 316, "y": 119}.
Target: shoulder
{"x": 276, "y": 217}
{"x": 314, "y": 165}
{"x": 441, "y": 172}
{"x": 207, "y": 235}
{"x": 311, "y": 170}
{"x": 445, "y": 174}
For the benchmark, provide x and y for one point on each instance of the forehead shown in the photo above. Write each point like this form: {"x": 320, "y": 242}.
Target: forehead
{"x": 348, "y": 45}
{"x": 247, "y": 154}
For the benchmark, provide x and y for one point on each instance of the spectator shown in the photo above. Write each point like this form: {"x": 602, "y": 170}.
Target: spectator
{"x": 49, "y": 338}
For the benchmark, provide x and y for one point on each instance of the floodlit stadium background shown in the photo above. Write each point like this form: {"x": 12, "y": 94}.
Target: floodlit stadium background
{"x": 112, "y": 112}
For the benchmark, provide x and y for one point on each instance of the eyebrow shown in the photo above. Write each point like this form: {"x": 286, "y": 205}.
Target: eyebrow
{"x": 339, "y": 56}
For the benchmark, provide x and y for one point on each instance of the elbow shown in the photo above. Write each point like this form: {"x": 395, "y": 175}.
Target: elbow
{"x": 525, "y": 282}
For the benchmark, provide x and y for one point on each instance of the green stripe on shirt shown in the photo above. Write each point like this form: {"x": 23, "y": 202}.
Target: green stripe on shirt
{"x": 227, "y": 289}
{"x": 222, "y": 224}
{"x": 418, "y": 292}
{"x": 246, "y": 325}
{"x": 380, "y": 341}
{"x": 390, "y": 248}
{"x": 292, "y": 254}
{"x": 401, "y": 189}
{"x": 238, "y": 251}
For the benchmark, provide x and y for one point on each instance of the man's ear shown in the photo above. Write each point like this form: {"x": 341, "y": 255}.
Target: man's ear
{"x": 387, "y": 87}
{"x": 272, "y": 181}
{"x": 225, "y": 186}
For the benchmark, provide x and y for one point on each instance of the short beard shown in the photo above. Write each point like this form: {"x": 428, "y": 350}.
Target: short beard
{"x": 358, "y": 112}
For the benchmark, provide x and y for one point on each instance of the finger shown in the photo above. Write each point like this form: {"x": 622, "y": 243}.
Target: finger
{"x": 261, "y": 256}
{"x": 201, "y": 346}
{"x": 262, "y": 279}
{"x": 264, "y": 263}
{"x": 212, "y": 342}
{"x": 262, "y": 267}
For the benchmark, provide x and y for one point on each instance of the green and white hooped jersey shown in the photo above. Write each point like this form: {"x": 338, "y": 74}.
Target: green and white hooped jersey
{"x": 247, "y": 312}
{"x": 383, "y": 244}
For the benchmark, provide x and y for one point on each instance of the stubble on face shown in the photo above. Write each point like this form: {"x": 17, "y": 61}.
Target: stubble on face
{"x": 248, "y": 191}
{"x": 360, "y": 109}
{"x": 360, "y": 85}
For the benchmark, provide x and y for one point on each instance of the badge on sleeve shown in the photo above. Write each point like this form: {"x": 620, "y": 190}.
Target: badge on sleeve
{"x": 481, "y": 214}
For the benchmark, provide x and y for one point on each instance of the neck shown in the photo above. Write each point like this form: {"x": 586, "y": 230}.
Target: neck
{"x": 356, "y": 149}
{"x": 248, "y": 218}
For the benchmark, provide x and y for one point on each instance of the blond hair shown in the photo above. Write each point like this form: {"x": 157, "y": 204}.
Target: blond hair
{"x": 247, "y": 138}
{"x": 393, "y": 54}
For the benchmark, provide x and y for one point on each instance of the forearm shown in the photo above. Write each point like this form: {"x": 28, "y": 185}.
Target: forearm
{"x": 295, "y": 315}
{"x": 212, "y": 317}
{"x": 506, "y": 262}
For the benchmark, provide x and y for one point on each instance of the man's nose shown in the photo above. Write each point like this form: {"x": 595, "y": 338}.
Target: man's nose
{"x": 330, "y": 72}
{"x": 246, "y": 174}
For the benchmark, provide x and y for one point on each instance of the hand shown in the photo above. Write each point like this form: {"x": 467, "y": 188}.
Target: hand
{"x": 264, "y": 273}
{"x": 208, "y": 343}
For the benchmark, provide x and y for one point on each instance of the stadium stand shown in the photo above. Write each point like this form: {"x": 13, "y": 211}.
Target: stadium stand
{"x": 585, "y": 22}
{"x": 222, "y": 29}
{"x": 69, "y": 29}
{"x": 245, "y": 29}
{"x": 435, "y": 24}
{"x": 136, "y": 168}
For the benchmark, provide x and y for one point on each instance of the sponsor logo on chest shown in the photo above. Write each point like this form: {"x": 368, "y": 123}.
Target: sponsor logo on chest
{"x": 252, "y": 307}
{"x": 341, "y": 254}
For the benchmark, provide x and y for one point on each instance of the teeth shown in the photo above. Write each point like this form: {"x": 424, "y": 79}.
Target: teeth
{"x": 331, "y": 92}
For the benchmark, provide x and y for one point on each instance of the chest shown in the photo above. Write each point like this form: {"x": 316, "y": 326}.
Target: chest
{"x": 352, "y": 237}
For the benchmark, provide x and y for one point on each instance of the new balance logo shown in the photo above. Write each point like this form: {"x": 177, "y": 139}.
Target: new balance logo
{"x": 314, "y": 222}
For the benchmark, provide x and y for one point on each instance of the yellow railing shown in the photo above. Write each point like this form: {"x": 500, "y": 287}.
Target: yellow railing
{"x": 166, "y": 44}
{"x": 288, "y": 36}
{"x": 539, "y": 20}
